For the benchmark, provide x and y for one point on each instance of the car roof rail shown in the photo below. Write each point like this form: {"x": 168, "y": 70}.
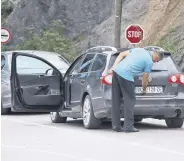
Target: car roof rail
{"x": 102, "y": 49}
{"x": 157, "y": 48}
{"x": 123, "y": 49}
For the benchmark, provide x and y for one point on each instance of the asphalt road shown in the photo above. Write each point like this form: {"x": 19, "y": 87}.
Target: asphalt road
{"x": 28, "y": 137}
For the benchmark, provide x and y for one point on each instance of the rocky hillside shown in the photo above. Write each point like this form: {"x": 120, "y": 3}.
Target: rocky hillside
{"x": 77, "y": 17}
{"x": 91, "y": 22}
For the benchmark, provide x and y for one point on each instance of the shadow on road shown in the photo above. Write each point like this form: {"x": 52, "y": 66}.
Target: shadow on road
{"x": 25, "y": 113}
{"x": 107, "y": 125}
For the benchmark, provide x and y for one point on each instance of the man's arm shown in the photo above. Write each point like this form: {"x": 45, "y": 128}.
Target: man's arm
{"x": 145, "y": 81}
{"x": 120, "y": 57}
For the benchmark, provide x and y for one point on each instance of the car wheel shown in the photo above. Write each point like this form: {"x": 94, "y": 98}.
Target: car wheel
{"x": 4, "y": 111}
{"x": 56, "y": 118}
{"x": 89, "y": 120}
{"x": 174, "y": 122}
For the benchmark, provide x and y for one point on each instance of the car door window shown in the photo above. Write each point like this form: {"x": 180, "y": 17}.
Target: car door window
{"x": 29, "y": 65}
{"x": 99, "y": 62}
{"x": 86, "y": 63}
{"x": 77, "y": 65}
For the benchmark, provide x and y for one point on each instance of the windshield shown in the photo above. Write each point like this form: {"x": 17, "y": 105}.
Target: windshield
{"x": 55, "y": 60}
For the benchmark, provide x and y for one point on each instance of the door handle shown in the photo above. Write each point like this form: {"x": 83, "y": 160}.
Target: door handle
{"x": 42, "y": 87}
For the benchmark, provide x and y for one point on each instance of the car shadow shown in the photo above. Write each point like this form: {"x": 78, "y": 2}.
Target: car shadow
{"x": 25, "y": 113}
{"x": 106, "y": 126}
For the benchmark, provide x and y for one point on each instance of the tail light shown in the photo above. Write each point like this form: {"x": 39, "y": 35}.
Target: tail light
{"x": 177, "y": 78}
{"x": 106, "y": 79}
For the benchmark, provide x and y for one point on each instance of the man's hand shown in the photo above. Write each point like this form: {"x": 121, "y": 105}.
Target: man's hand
{"x": 145, "y": 82}
{"x": 143, "y": 93}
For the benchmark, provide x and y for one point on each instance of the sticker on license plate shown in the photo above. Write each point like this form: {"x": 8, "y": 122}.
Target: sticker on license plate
{"x": 149, "y": 90}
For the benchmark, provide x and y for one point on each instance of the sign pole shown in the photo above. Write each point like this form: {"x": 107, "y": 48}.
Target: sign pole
{"x": 117, "y": 30}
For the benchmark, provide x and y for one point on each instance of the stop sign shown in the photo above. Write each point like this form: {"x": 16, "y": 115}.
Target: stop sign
{"x": 134, "y": 34}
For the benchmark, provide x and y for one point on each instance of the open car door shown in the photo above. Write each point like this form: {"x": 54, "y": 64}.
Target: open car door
{"x": 36, "y": 85}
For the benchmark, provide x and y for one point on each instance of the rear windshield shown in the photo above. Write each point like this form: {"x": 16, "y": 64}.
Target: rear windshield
{"x": 161, "y": 65}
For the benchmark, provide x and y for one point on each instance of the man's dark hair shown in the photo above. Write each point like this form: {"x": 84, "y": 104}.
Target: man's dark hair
{"x": 160, "y": 53}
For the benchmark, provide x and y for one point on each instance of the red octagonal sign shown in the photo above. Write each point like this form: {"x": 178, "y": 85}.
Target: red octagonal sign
{"x": 134, "y": 34}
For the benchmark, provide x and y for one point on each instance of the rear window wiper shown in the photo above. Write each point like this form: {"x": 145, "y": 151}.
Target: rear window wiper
{"x": 158, "y": 70}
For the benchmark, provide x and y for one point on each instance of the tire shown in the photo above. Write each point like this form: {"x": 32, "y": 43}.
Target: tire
{"x": 174, "y": 122}
{"x": 4, "y": 111}
{"x": 138, "y": 119}
{"x": 89, "y": 120}
{"x": 56, "y": 118}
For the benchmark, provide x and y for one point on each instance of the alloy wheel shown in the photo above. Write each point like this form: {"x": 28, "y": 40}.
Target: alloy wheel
{"x": 53, "y": 115}
{"x": 86, "y": 111}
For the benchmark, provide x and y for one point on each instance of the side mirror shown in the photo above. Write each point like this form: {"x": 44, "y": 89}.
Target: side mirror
{"x": 49, "y": 72}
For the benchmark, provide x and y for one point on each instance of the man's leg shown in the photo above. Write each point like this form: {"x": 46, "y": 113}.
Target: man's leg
{"x": 116, "y": 100}
{"x": 129, "y": 104}
{"x": 128, "y": 91}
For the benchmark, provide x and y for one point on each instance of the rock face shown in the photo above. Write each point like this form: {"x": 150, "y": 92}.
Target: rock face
{"x": 94, "y": 20}
{"x": 15, "y": 2}
{"x": 77, "y": 17}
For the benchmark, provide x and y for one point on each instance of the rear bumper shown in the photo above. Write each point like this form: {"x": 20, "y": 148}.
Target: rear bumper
{"x": 149, "y": 107}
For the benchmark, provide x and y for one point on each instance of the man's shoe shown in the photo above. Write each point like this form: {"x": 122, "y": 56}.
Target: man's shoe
{"x": 133, "y": 129}
{"x": 117, "y": 128}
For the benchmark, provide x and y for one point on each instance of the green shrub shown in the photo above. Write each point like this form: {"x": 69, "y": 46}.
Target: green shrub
{"x": 5, "y": 47}
{"x": 52, "y": 40}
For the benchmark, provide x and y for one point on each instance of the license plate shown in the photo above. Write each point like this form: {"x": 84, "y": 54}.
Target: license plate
{"x": 157, "y": 89}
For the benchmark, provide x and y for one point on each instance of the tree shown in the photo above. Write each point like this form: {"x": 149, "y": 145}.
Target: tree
{"x": 117, "y": 30}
